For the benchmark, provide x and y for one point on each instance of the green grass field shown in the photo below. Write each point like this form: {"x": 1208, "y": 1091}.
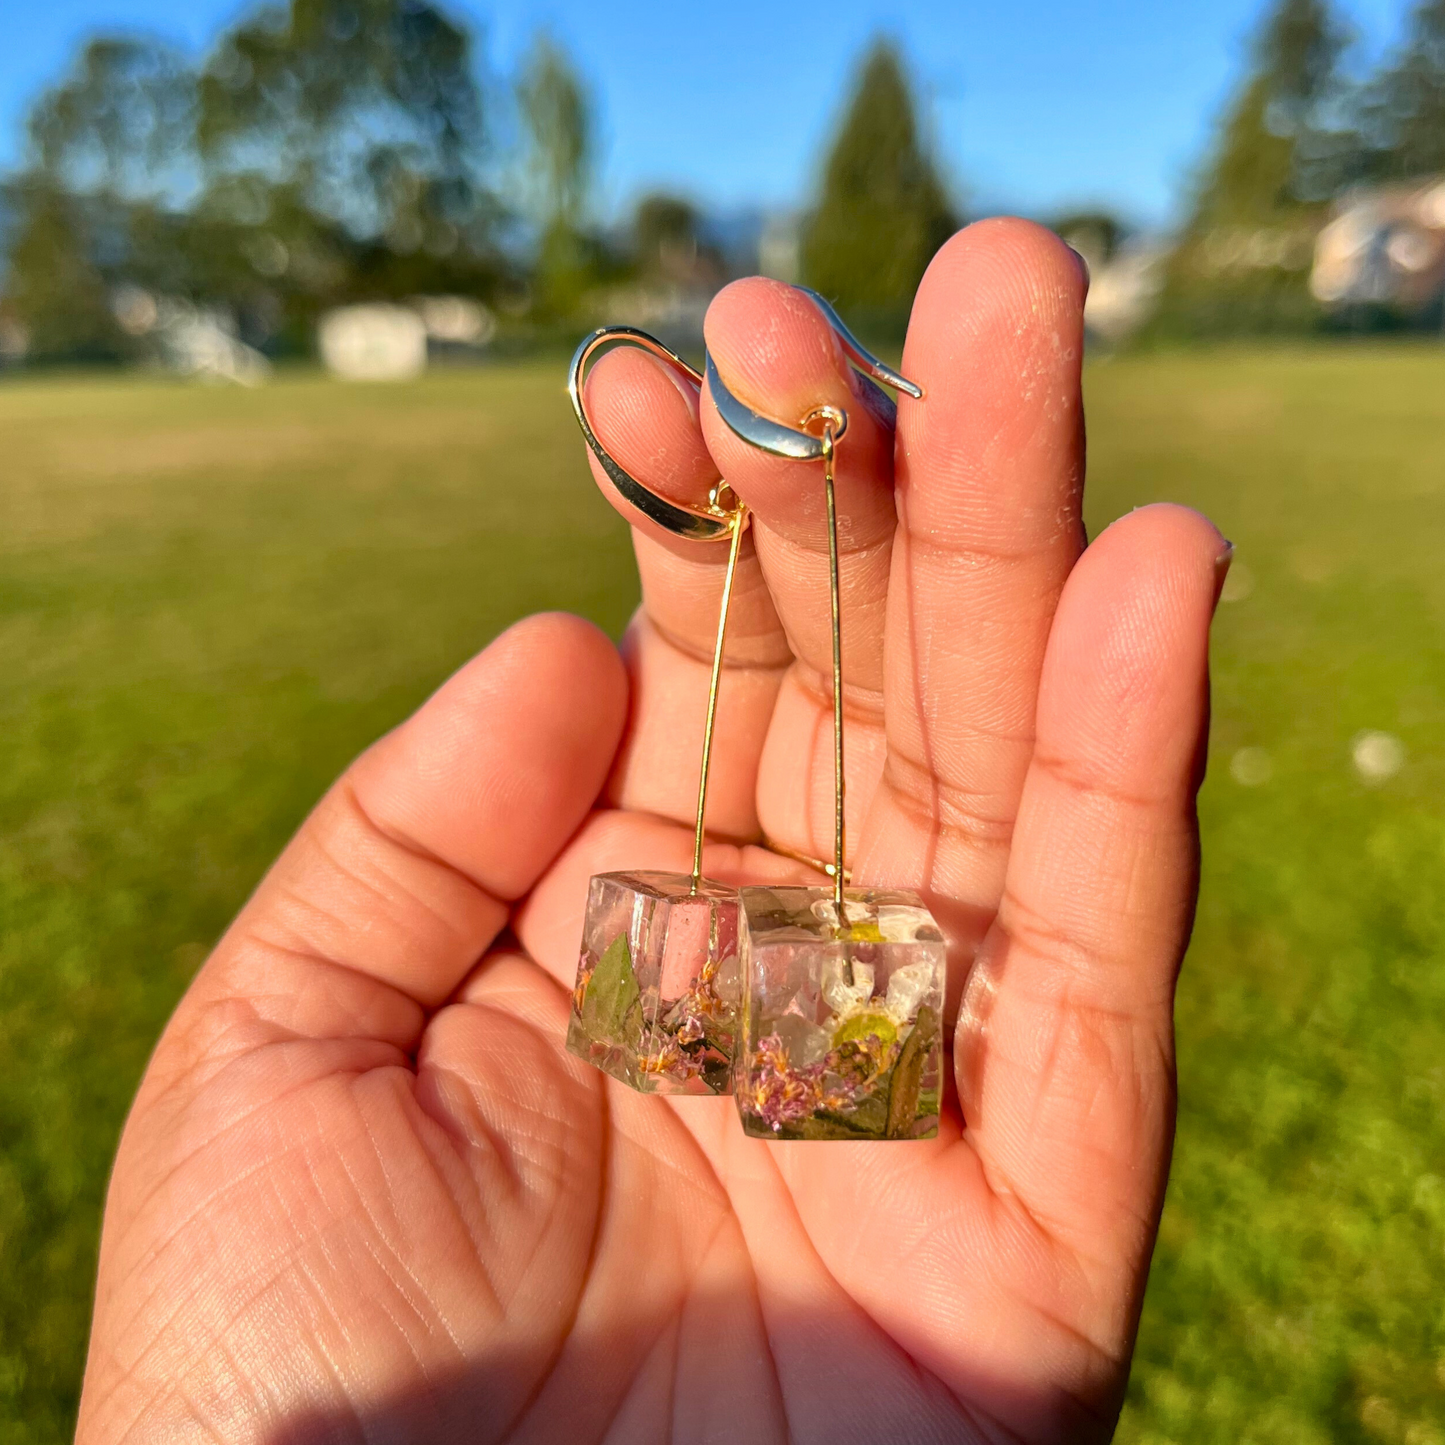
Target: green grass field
{"x": 210, "y": 600}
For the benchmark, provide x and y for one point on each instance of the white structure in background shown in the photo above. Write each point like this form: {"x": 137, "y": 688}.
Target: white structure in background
{"x": 455, "y": 320}
{"x": 375, "y": 342}
{"x": 205, "y": 344}
{"x": 1123, "y": 289}
{"x": 14, "y": 341}
{"x": 672, "y": 310}
{"x": 384, "y": 342}
{"x": 189, "y": 339}
{"x": 1385, "y": 245}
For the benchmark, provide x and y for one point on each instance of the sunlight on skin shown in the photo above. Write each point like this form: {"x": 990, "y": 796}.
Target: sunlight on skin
{"x": 365, "y": 1193}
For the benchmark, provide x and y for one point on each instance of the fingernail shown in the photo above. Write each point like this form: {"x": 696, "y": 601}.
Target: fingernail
{"x": 1221, "y": 567}
{"x": 689, "y": 393}
{"x": 1083, "y": 267}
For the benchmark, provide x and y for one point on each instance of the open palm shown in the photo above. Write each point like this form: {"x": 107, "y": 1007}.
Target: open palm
{"x": 364, "y": 1194}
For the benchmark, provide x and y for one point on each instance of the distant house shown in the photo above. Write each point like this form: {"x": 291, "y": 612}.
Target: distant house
{"x": 1124, "y": 288}
{"x": 1383, "y": 246}
{"x": 1126, "y": 273}
{"x": 379, "y": 341}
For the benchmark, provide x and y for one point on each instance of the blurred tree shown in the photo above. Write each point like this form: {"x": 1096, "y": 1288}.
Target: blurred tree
{"x": 328, "y": 150}
{"x": 1096, "y": 231}
{"x": 53, "y": 286}
{"x": 1242, "y": 262}
{"x": 1095, "y": 235}
{"x": 557, "y": 116}
{"x": 369, "y": 109}
{"x": 559, "y": 125}
{"x": 121, "y": 124}
{"x": 883, "y": 211}
{"x": 109, "y": 156}
{"x": 1402, "y": 113}
{"x": 664, "y": 234}
{"x": 345, "y": 157}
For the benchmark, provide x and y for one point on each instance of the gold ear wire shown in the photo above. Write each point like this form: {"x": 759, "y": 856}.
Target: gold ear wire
{"x": 725, "y": 516}
{"x": 859, "y": 354}
{"x": 823, "y": 428}
{"x": 711, "y": 525}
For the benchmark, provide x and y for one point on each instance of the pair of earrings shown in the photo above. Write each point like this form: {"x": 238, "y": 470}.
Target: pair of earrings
{"x": 818, "y": 1009}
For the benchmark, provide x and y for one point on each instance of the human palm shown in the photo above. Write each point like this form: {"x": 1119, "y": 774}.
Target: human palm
{"x": 364, "y": 1194}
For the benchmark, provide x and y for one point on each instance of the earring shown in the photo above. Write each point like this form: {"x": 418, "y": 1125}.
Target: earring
{"x": 658, "y": 985}
{"x": 840, "y": 1025}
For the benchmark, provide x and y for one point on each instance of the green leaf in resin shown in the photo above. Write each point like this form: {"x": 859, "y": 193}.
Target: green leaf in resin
{"x": 612, "y": 1008}
{"x": 908, "y": 1075}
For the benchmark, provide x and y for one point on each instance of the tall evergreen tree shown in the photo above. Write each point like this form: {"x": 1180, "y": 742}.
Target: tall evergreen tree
{"x": 883, "y": 211}
{"x": 1243, "y": 259}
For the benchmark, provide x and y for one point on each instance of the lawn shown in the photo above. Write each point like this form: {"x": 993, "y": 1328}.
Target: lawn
{"x": 210, "y": 600}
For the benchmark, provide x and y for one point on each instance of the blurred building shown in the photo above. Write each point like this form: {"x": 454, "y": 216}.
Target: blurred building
{"x": 373, "y": 342}
{"x": 385, "y": 342}
{"x": 192, "y": 340}
{"x": 1126, "y": 273}
{"x": 1123, "y": 290}
{"x": 1383, "y": 246}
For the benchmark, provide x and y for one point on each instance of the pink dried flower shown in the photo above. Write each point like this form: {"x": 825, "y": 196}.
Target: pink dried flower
{"x": 658, "y": 1053}
{"x": 781, "y": 1093}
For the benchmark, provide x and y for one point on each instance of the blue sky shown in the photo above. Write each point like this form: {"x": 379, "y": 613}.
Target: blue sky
{"x": 1036, "y": 105}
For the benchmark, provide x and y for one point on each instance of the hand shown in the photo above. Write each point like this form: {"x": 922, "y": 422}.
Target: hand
{"x": 364, "y": 1194}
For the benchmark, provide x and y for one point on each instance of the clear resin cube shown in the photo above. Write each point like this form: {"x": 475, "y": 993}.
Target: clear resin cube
{"x": 658, "y": 983}
{"x": 840, "y": 1032}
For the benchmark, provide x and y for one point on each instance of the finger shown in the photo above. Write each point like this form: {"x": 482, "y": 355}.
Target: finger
{"x": 989, "y": 482}
{"x": 1064, "y": 1050}
{"x": 775, "y": 352}
{"x": 646, "y": 416}
{"x": 407, "y": 869}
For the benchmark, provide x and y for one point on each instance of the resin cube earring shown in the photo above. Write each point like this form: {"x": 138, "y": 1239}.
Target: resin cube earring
{"x": 658, "y": 986}
{"x": 840, "y": 1027}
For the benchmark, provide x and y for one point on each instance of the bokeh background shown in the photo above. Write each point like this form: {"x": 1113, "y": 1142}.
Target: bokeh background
{"x": 213, "y": 595}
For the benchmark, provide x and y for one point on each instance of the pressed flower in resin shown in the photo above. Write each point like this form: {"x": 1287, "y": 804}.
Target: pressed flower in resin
{"x": 656, "y": 999}
{"x": 840, "y": 1032}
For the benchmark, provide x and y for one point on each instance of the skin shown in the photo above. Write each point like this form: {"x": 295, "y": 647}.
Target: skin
{"x": 364, "y": 1193}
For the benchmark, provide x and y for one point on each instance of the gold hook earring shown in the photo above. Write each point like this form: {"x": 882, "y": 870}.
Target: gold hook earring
{"x": 655, "y": 1003}
{"x": 840, "y": 1028}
